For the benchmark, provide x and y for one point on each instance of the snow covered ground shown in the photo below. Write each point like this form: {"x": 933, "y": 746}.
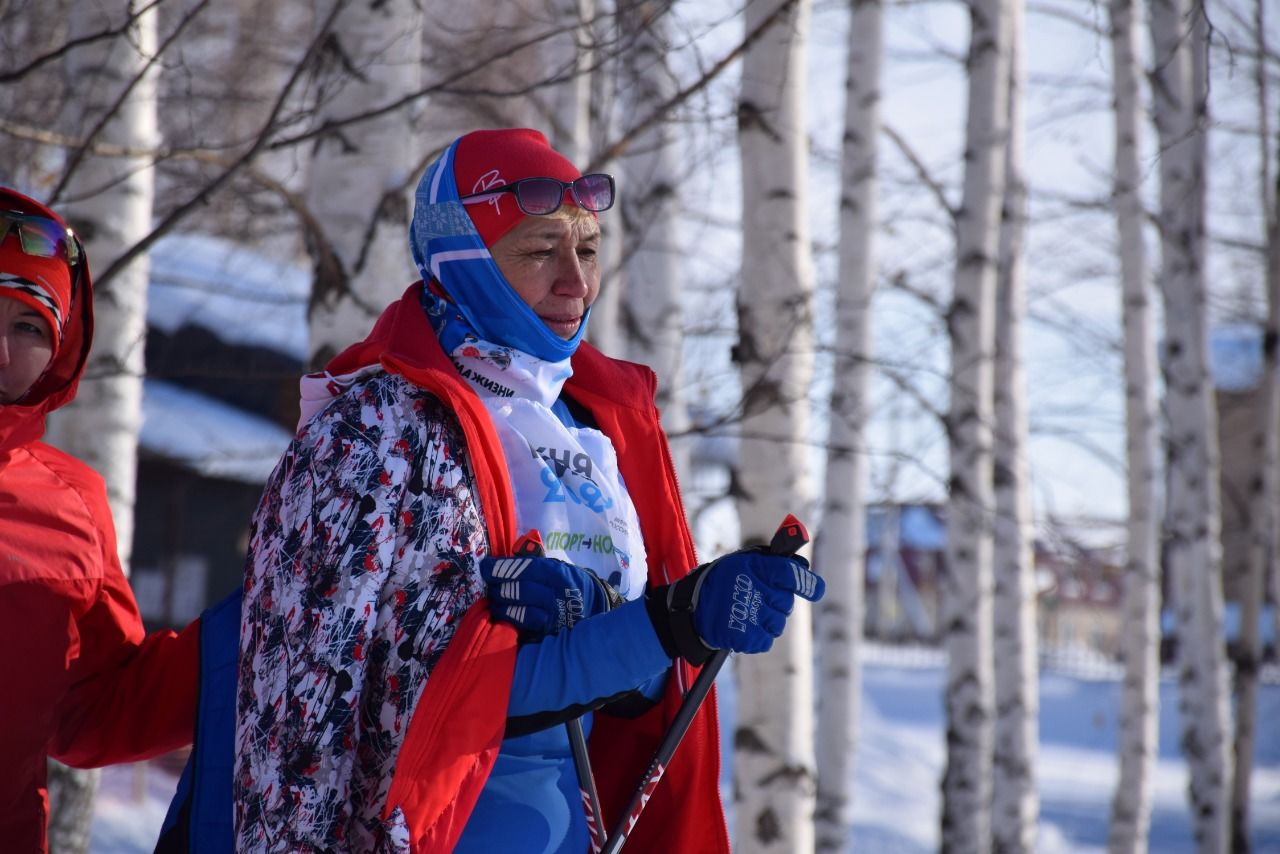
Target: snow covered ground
{"x": 899, "y": 764}
{"x": 900, "y": 756}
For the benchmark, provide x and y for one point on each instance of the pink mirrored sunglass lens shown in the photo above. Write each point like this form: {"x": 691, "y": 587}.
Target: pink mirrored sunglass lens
{"x": 594, "y": 192}
{"x": 539, "y": 195}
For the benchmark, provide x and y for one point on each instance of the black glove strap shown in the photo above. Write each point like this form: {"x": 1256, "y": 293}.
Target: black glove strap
{"x": 612, "y": 597}
{"x": 670, "y": 609}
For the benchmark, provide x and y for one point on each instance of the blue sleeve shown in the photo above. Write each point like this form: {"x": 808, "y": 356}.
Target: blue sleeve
{"x": 201, "y": 815}
{"x": 599, "y": 659}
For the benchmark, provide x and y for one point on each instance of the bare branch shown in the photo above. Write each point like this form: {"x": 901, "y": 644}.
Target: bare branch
{"x": 44, "y": 136}
{"x": 235, "y": 166}
{"x": 619, "y": 146}
{"x": 77, "y": 157}
{"x": 926, "y": 402}
{"x": 900, "y": 281}
{"x": 1264, "y": 114}
{"x": 442, "y": 86}
{"x": 1085, "y": 443}
{"x": 1071, "y": 16}
{"x": 64, "y": 49}
{"x": 922, "y": 171}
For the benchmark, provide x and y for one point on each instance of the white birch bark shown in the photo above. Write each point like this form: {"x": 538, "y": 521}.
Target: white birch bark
{"x": 1015, "y": 801}
{"x": 652, "y": 307}
{"x": 112, "y": 211}
{"x": 606, "y": 124}
{"x": 1193, "y": 550}
{"x": 230, "y": 67}
{"x": 521, "y": 58}
{"x": 361, "y": 178}
{"x": 773, "y": 758}
{"x": 1264, "y": 490}
{"x": 840, "y": 548}
{"x": 966, "y": 594}
{"x": 1269, "y": 555}
{"x": 570, "y": 132}
{"x": 604, "y": 331}
{"x": 71, "y": 798}
{"x": 1140, "y": 642}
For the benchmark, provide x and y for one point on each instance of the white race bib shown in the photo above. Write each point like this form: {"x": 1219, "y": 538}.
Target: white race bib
{"x": 565, "y": 479}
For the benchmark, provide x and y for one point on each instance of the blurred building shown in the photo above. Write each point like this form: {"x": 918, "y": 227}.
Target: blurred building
{"x": 1236, "y": 352}
{"x": 1237, "y": 375}
{"x": 906, "y": 545}
{"x": 1081, "y": 598}
{"x": 226, "y": 343}
{"x": 1078, "y": 587}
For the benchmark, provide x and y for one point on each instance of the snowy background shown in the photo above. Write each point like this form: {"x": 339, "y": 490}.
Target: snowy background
{"x": 1076, "y": 395}
{"x": 899, "y": 764}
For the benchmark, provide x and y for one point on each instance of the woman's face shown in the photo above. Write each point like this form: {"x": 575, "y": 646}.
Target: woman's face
{"x": 552, "y": 263}
{"x": 26, "y": 348}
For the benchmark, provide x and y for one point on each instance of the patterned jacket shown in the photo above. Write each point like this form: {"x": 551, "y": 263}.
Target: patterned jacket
{"x": 373, "y": 687}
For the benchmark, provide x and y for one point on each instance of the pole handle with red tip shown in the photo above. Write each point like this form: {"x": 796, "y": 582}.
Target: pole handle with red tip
{"x": 787, "y": 540}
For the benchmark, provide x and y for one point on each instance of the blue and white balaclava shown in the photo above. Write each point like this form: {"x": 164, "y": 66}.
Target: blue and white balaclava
{"x": 448, "y": 247}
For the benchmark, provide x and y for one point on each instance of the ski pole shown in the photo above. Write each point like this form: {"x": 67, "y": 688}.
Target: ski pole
{"x": 586, "y": 782}
{"x": 787, "y": 540}
{"x": 530, "y": 545}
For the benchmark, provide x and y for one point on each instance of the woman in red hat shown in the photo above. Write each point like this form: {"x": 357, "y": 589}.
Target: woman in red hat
{"x": 79, "y": 681}
{"x": 379, "y": 705}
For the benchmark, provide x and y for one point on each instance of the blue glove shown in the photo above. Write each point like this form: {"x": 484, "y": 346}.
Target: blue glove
{"x": 542, "y": 595}
{"x": 739, "y": 602}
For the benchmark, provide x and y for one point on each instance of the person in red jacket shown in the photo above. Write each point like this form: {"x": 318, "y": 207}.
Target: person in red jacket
{"x": 379, "y": 706}
{"x": 78, "y": 681}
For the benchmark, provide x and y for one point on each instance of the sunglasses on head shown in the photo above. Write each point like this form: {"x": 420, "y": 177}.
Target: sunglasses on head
{"x": 543, "y": 196}
{"x": 41, "y": 237}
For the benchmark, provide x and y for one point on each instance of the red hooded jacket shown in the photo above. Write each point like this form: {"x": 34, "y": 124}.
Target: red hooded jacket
{"x": 77, "y": 679}
{"x": 457, "y": 726}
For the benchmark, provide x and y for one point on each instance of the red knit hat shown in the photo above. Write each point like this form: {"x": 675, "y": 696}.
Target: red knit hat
{"x": 42, "y": 283}
{"x": 486, "y": 159}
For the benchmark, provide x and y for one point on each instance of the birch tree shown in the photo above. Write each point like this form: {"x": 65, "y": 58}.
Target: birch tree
{"x": 652, "y": 307}
{"x": 840, "y": 549}
{"x": 1015, "y": 802}
{"x": 111, "y": 208}
{"x": 512, "y": 64}
{"x": 1264, "y": 489}
{"x": 1140, "y": 643}
{"x": 361, "y": 179}
{"x": 570, "y": 111}
{"x": 218, "y": 90}
{"x": 773, "y": 743}
{"x": 363, "y": 175}
{"x": 966, "y": 583}
{"x": 1193, "y": 551}
{"x": 612, "y": 76}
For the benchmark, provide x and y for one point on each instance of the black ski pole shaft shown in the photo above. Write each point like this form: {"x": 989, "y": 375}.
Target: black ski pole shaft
{"x": 530, "y": 545}
{"x": 789, "y": 537}
{"x": 586, "y": 783}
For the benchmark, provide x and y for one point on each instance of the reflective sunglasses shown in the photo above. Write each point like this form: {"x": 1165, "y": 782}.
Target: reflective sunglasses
{"x": 42, "y": 237}
{"x": 543, "y": 196}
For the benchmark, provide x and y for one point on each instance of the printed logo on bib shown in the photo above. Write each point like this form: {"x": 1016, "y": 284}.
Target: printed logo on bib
{"x": 500, "y": 356}
{"x": 490, "y": 385}
{"x": 561, "y": 461}
{"x": 570, "y": 541}
{"x": 574, "y": 545}
{"x": 567, "y": 477}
